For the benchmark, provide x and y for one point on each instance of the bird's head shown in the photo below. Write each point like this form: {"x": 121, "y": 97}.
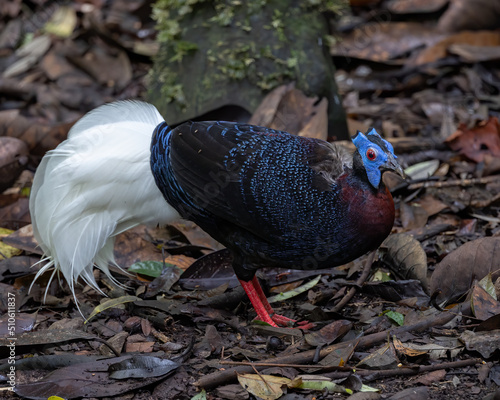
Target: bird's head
{"x": 376, "y": 155}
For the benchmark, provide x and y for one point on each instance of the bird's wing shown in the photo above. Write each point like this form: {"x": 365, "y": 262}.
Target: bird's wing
{"x": 208, "y": 166}
{"x": 254, "y": 178}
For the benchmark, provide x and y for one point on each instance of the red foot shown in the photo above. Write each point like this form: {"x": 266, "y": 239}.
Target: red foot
{"x": 288, "y": 322}
{"x": 283, "y": 321}
{"x": 264, "y": 310}
{"x": 305, "y": 325}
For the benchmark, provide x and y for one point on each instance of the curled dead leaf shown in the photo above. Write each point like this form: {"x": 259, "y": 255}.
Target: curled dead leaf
{"x": 406, "y": 351}
{"x": 458, "y": 271}
{"x": 406, "y": 258}
{"x": 484, "y": 306}
{"x": 478, "y": 142}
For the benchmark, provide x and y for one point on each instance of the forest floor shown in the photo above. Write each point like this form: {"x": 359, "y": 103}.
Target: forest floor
{"x": 419, "y": 319}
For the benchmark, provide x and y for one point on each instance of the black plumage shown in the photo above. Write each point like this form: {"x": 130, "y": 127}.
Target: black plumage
{"x": 273, "y": 199}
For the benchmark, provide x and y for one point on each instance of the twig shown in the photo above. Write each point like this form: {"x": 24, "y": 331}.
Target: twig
{"x": 221, "y": 377}
{"x": 454, "y": 182}
{"x": 343, "y": 372}
{"x": 371, "y": 375}
{"x": 272, "y": 364}
{"x": 352, "y": 291}
{"x": 484, "y": 203}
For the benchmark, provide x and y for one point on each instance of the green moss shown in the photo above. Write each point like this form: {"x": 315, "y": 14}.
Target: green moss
{"x": 182, "y": 48}
{"x": 265, "y": 66}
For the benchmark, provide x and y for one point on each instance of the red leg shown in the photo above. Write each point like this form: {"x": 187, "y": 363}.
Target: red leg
{"x": 256, "y": 301}
{"x": 262, "y": 296}
{"x": 279, "y": 319}
{"x": 264, "y": 310}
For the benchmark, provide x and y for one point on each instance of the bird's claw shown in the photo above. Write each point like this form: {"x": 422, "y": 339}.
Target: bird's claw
{"x": 283, "y": 321}
{"x": 286, "y": 322}
{"x": 305, "y": 325}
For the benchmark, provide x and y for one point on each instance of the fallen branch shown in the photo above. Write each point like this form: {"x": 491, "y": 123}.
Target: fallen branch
{"x": 222, "y": 377}
{"x": 344, "y": 372}
{"x": 371, "y": 375}
{"x": 454, "y": 182}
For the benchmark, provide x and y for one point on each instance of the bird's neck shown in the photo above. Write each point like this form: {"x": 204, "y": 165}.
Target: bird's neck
{"x": 371, "y": 210}
{"x": 361, "y": 177}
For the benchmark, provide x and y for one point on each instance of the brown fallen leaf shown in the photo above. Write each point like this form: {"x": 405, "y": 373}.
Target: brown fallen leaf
{"x": 413, "y": 216}
{"x": 458, "y": 271}
{"x": 484, "y": 306}
{"x": 467, "y": 227}
{"x": 491, "y": 164}
{"x": 317, "y": 126}
{"x": 23, "y": 239}
{"x": 265, "y": 113}
{"x": 385, "y": 41}
{"x": 431, "y": 205}
{"x": 479, "y": 142}
{"x": 473, "y": 54}
{"x": 440, "y": 49}
{"x": 289, "y": 109}
{"x": 139, "y": 347}
{"x": 384, "y": 357}
{"x": 55, "y": 64}
{"x": 491, "y": 324}
{"x": 195, "y": 235}
{"x": 15, "y": 215}
{"x": 107, "y": 65}
{"x": 416, "y": 6}
{"x": 353, "y": 126}
{"x": 233, "y": 391}
{"x": 13, "y": 159}
{"x": 131, "y": 246}
{"x": 467, "y": 14}
{"x": 406, "y": 258}
{"x": 38, "y": 136}
{"x": 401, "y": 349}
{"x": 329, "y": 333}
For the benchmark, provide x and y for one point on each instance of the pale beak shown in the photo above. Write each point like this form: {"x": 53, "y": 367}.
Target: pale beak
{"x": 392, "y": 165}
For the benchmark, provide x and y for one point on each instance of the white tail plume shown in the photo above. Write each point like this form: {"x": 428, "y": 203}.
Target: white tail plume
{"x": 95, "y": 185}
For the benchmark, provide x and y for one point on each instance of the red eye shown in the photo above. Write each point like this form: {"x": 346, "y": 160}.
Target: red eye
{"x": 371, "y": 154}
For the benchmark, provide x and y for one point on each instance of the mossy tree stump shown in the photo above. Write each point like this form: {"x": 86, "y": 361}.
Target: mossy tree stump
{"x": 215, "y": 54}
